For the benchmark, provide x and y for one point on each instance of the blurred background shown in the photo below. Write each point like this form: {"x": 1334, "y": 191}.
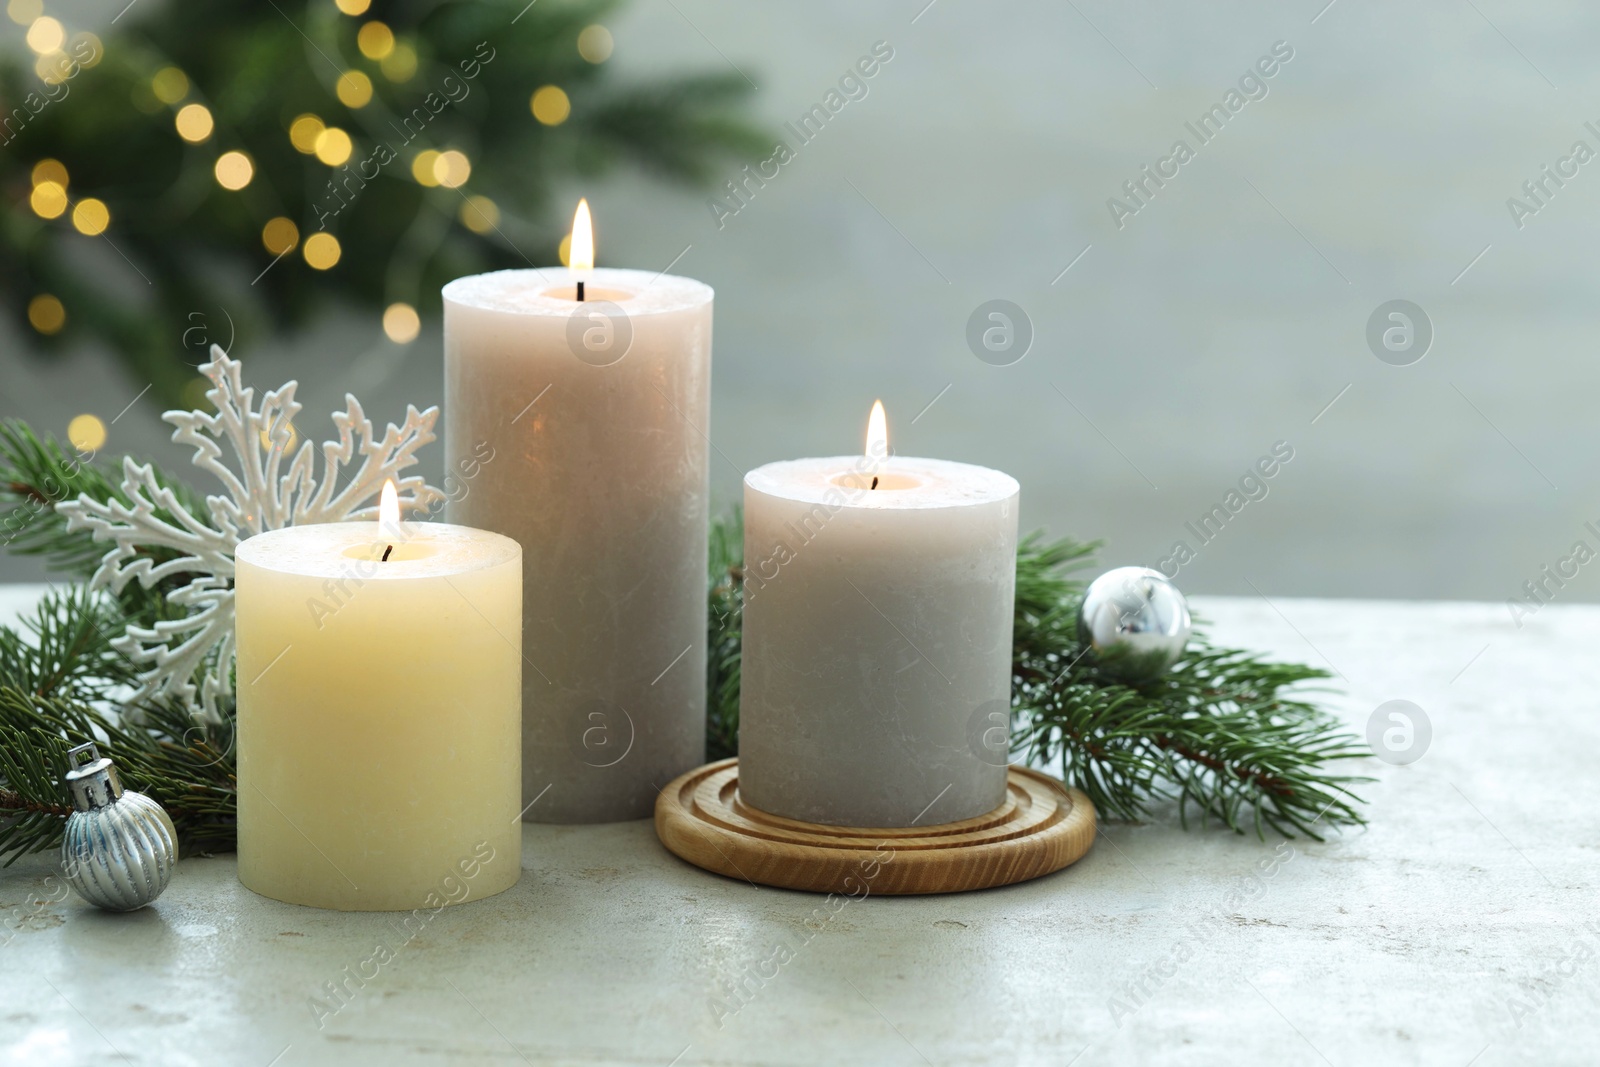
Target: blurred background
{"x": 1156, "y": 344}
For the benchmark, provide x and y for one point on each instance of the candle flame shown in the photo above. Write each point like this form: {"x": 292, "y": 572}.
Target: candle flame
{"x": 877, "y": 432}
{"x": 580, "y": 254}
{"x": 389, "y": 507}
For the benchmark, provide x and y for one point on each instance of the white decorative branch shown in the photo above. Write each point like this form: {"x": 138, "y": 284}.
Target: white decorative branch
{"x": 190, "y": 659}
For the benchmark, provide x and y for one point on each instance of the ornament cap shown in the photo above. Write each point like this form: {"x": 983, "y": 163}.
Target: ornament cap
{"x": 93, "y": 778}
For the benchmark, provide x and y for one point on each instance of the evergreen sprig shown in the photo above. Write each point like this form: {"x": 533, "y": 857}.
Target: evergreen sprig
{"x": 59, "y": 679}
{"x": 36, "y": 474}
{"x": 1224, "y": 733}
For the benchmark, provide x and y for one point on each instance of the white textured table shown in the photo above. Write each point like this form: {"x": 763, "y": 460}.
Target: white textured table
{"x": 1460, "y": 927}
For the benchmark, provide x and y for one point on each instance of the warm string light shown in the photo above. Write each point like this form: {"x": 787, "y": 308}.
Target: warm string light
{"x": 234, "y": 170}
{"x": 595, "y": 44}
{"x": 86, "y": 433}
{"x": 550, "y": 105}
{"x": 375, "y": 39}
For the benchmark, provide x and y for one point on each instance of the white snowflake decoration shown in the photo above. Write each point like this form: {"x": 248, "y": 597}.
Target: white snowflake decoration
{"x": 258, "y": 499}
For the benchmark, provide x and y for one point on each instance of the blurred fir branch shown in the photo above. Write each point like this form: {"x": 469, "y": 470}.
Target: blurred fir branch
{"x": 723, "y": 638}
{"x": 400, "y": 80}
{"x": 1222, "y": 732}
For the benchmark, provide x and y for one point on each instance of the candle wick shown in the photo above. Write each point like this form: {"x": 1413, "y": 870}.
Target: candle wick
{"x": 386, "y": 552}
{"x": 580, "y": 292}
{"x": 874, "y": 481}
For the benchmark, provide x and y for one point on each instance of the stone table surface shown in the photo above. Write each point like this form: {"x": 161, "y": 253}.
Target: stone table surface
{"x": 1460, "y": 927}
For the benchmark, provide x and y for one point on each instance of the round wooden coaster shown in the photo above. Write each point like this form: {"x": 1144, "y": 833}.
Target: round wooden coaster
{"x": 1041, "y": 827}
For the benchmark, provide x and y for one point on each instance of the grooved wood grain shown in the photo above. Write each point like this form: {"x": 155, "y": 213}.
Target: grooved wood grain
{"x": 1041, "y": 827}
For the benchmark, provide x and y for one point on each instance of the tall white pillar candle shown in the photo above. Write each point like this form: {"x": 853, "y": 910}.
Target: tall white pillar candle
{"x": 596, "y": 415}
{"x": 379, "y": 715}
{"x": 876, "y": 671}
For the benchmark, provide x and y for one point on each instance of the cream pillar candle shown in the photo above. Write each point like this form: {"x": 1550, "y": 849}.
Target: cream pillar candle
{"x": 597, "y": 415}
{"x": 379, "y": 715}
{"x": 876, "y": 672}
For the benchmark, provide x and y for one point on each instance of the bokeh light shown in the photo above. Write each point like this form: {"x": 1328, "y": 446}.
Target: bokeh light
{"x": 86, "y": 433}
{"x": 334, "y": 146}
{"x": 595, "y": 44}
{"x": 194, "y": 122}
{"x": 53, "y": 68}
{"x": 550, "y": 105}
{"x": 452, "y": 169}
{"x": 234, "y": 170}
{"x": 375, "y": 40}
{"x": 354, "y": 89}
{"x": 46, "y": 314}
{"x": 50, "y": 170}
{"x": 303, "y": 133}
{"x": 91, "y": 216}
{"x": 353, "y": 7}
{"x": 49, "y": 200}
{"x": 170, "y": 85}
{"x": 23, "y": 12}
{"x": 422, "y": 167}
{"x": 321, "y": 250}
{"x": 399, "y": 65}
{"x": 46, "y": 35}
{"x": 280, "y": 235}
{"x": 479, "y": 214}
{"x": 288, "y": 437}
{"x": 401, "y": 323}
{"x": 194, "y": 394}
{"x": 92, "y": 53}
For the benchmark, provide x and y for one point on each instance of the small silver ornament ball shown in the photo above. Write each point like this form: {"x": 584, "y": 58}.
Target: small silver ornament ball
{"x": 1136, "y": 621}
{"x": 120, "y": 846}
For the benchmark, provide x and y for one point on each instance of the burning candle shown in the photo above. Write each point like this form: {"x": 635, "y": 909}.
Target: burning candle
{"x": 593, "y": 389}
{"x": 379, "y": 669}
{"x": 876, "y": 672}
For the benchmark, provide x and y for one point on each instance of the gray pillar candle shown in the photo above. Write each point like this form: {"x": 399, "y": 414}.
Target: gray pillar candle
{"x": 876, "y": 673}
{"x": 579, "y": 430}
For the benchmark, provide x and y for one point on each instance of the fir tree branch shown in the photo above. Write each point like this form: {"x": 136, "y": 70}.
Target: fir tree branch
{"x": 1224, "y": 732}
{"x": 59, "y": 678}
{"x": 38, "y": 473}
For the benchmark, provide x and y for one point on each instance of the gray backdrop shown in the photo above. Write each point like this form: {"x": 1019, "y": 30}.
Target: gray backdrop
{"x": 1227, "y": 313}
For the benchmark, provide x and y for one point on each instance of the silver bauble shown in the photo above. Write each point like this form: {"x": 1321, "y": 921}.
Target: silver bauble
{"x": 120, "y": 846}
{"x": 1136, "y": 621}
